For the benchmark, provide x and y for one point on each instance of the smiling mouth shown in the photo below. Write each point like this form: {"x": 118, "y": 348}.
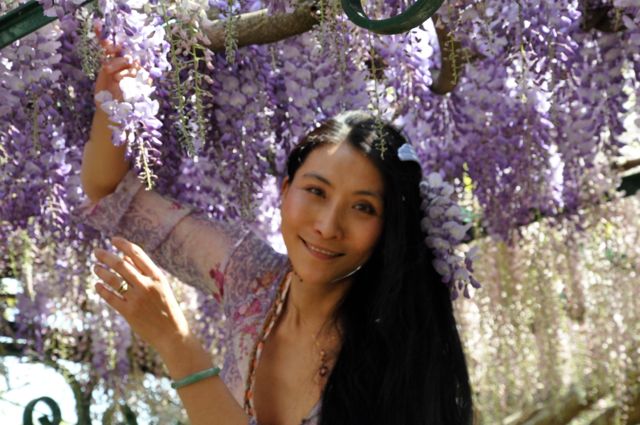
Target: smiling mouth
{"x": 323, "y": 253}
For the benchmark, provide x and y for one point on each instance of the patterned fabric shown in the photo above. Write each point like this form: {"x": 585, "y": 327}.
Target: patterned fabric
{"x": 241, "y": 271}
{"x": 268, "y": 326}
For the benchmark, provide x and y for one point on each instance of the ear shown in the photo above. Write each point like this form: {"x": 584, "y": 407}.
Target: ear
{"x": 284, "y": 189}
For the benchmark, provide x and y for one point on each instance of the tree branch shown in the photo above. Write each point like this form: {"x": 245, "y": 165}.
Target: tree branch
{"x": 450, "y": 60}
{"x": 564, "y": 409}
{"x": 453, "y": 58}
{"x": 559, "y": 411}
{"x": 628, "y": 165}
{"x": 257, "y": 28}
{"x": 603, "y": 18}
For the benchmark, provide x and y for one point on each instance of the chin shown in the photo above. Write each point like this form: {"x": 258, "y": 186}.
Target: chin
{"x": 313, "y": 277}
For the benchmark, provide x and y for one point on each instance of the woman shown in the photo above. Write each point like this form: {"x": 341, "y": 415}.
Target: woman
{"x": 352, "y": 327}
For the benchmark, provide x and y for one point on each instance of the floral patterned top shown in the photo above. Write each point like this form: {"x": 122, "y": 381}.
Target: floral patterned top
{"x": 250, "y": 283}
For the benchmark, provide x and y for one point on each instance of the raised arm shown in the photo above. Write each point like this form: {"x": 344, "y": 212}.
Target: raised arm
{"x": 103, "y": 164}
{"x": 185, "y": 243}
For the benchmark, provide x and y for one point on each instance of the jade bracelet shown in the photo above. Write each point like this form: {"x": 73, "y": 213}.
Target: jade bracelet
{"x": 195, "y": 377}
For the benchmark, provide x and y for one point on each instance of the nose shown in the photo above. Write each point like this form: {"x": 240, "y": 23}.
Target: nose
{"x": 328, "y": 223}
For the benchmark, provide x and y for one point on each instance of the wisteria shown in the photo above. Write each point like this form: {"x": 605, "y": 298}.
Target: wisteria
{"x": 445, "y": 225}
{"x": 141, "y": 38}
{"x": 557, "y": 321}
{"x": 519, "y": 106}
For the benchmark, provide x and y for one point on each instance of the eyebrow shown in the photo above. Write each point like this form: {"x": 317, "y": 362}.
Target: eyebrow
{"x": 328, "y": 183}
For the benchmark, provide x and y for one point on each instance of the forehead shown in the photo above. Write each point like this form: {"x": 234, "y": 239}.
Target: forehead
{"x": 343, "y": 165}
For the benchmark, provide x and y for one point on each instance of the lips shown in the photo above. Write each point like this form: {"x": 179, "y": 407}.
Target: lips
{"x": 321, "y": 253}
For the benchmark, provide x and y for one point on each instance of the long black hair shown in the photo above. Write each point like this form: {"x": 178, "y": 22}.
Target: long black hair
{"x": 401, "y": 360}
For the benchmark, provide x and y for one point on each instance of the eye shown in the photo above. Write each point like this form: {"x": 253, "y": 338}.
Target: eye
{"x": 315, "y": 191}
{"x": 366, "y": 208}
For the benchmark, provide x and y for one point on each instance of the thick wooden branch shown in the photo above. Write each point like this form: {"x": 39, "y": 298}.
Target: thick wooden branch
{"x": 567, "y": 407}
{"x": 451, "y": 61}
{"x": 453, "y": 58}
{"x": 260, "y": 28}
{"x": 559, "y": 411}
{"x": 603, "y": 18}
{"x": 256, "y": 28}
{"x": 628, "y": 165}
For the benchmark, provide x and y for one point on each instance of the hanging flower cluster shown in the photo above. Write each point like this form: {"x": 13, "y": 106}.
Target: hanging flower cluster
{"x": 60, "y": 8}
{"x": 446, "y": 228}
{"x": 141, "y": 36}
{"x": 558, "y": 320}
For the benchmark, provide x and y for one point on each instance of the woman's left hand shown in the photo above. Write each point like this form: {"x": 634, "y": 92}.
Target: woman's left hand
{"x": 141, "y": 294}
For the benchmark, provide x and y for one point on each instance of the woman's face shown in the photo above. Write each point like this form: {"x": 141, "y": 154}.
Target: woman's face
{"x": 332, "y": 213}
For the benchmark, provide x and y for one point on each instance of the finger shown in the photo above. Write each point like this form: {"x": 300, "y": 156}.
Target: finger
{"x": 118, "y": 64}
{"x": 124, "y": 74}
{"x": 122, "y": 267}
{"x": 110, "y": 278}
{"x": 110, "y": 49}
{"x": 107, "y": 45}
{"x": 139, "y": 257}
{"x": 104, "y": 42}
{"x": 110, "y": 297}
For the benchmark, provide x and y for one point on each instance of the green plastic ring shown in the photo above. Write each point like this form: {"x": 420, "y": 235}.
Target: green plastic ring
{"x": 415, "y": 15}
{"x": 195, "y": 377}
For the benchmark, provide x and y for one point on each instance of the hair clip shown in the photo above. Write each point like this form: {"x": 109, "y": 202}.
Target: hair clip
{"x": 406, "y": 152}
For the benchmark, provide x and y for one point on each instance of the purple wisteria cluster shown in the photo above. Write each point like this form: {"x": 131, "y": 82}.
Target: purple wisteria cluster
{"x": 543, "y": 129}
{"x": 529, "y": 127}
{"x": 60, "y": 8}
{"x": 141, "y": 37}
{"x": 446, "y": 227}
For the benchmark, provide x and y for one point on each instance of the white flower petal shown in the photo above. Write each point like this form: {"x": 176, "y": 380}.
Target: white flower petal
{"x": 437, "y": 243}
{"x": 461, "y": 274}
{"x": 441, "y": 267}
{"x": 472, "y": 254}
{"x": 447, "y": 190}
{"x": 454, "y": 211}
{"x": 434, "y": 180}
{"x": 435, "y": 212}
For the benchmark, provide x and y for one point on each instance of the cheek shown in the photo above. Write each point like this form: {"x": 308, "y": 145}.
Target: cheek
{"x": 369, "y": 236}
{"x": 291, "y": 214}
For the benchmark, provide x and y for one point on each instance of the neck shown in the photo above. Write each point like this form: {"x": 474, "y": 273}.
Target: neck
{"x": 309, "y": 306}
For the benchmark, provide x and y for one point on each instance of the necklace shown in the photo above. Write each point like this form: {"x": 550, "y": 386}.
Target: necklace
{"x": 326, "y": 356}
{"x": 324, "y": 368}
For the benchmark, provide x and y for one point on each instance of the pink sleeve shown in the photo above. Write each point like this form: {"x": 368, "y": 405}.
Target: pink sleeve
{"x": 188, "y": 245}
{"x": 252, "y": 269}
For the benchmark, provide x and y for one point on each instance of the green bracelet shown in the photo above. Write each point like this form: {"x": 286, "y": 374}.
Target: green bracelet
{"x": 195, "y": 377}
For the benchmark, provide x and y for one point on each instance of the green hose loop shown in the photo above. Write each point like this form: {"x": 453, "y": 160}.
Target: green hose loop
{"x": 415, "y": 15}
